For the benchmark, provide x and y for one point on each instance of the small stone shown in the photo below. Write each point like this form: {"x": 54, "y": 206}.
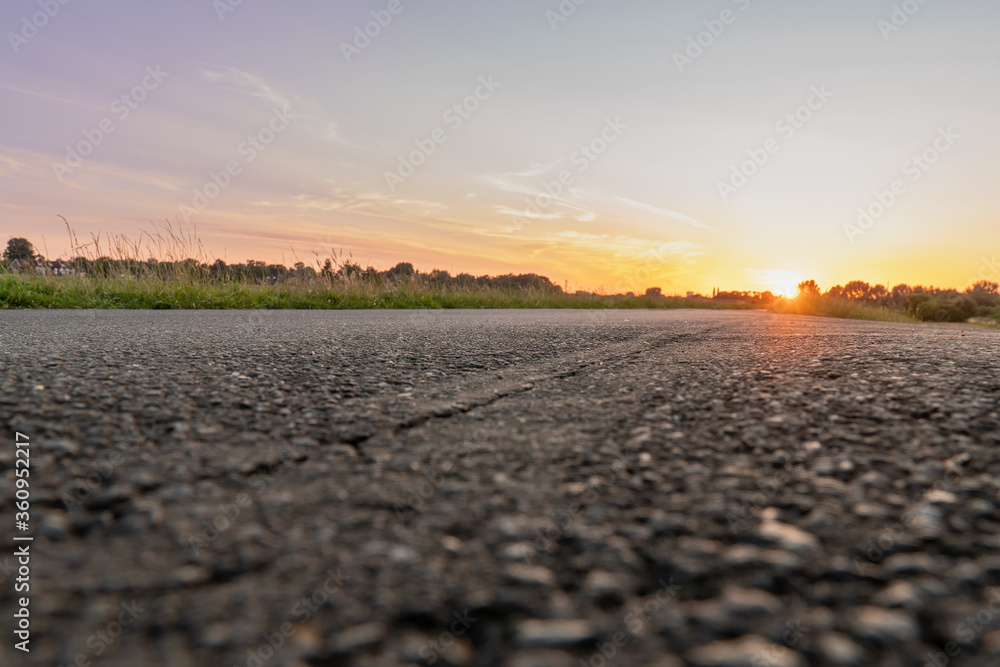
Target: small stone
{"x": 358, "y": 637}
{"x": 910, "y": 563}
{"x": 529, "y": 575}
{"x": 991, "y": 643}
{"x": 977, "y": 571}
{"x": 788, "y": 537}
{"x": 460, "y": 653}
{"x": 738, "y": 610}
{"x": 900, "y": 594}
{"x": 884, "y": 626}
{"x": 451, "y": 543}
{"x": 840, "y": 650}
{"x": 939, "y": 497}
{"x": 541, "y": 659}
{"x": 538, "y": 633}
{"x": 746, "y": 650}
{"x": 189, "y": 575}
{"x": 741, "y": 555}
{"x": 926, "y": 523}
{"x": 517, "y": 550}
{"x": 601, "y": 585}
{"x": 751, "y": 602}
{"x": 812, "y": 447}
{"x": 55, "y": 526}
{"x": 217, "y": 634}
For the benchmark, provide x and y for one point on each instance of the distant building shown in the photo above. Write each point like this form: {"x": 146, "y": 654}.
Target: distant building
{"x": 43, "y": 267}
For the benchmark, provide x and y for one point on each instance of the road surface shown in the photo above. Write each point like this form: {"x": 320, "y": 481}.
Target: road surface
{"x": 520, "y": 488}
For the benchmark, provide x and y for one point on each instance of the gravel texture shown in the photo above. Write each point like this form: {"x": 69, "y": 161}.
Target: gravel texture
{"x": 526, "y": 488}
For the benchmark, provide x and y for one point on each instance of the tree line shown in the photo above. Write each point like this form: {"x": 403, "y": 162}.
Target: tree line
{"x": 258, "y": 272}
{"x": 929, "y": 304}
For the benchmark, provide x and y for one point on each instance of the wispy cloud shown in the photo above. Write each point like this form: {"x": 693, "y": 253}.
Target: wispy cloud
{"x": 240, "y": 81}
{"x": 308, "y": 112}
{"x": 686, "y": 219}
{"x": 48, "y": 96}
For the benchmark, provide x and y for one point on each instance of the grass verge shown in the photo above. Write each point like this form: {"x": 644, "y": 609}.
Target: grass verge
{"x": 30, "y": 291}
{"x": 839, "y": 308}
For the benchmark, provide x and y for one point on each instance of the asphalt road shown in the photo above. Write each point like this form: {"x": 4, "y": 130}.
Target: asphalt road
{"x": 527, "y": 488}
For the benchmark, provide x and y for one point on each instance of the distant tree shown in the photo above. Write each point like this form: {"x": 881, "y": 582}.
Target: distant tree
{"x": 654, "y": 292}
{"x": 900, "y": 292}
{"x": 985, "y": 286}
{"x": 835, "y": 292}
{"x": 809, "y": 288}
{"x": 350, "y": 270}
{"x": 18, "y": 248}
{"x": 440, "y": 277}
{"x": 856, "y": 290}
{"x": 403, "y": 270}
{"x": 877, "y": 293}
{"x": 218, "y": 270}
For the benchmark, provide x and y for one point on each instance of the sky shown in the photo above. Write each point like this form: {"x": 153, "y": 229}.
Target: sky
{"x": 612, "y": 146}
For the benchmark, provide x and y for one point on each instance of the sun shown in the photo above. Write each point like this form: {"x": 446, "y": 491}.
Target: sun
{"x": 779, "y": 282}
{"x": 787, "y": 290}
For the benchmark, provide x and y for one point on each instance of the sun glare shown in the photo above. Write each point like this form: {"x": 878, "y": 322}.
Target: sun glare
{"x": 787, "y": 290}
{"x": 778, "y": 282}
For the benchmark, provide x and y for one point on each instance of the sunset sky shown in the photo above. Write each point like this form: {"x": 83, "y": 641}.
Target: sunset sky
{"x": 834, "y": 105}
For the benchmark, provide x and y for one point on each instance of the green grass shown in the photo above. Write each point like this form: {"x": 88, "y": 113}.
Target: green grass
{"x": 30, "y": 291}
{"x": 840, "y": 308}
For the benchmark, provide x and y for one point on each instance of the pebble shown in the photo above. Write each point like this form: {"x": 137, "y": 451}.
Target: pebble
{"x": 744, "y": 651}
{"x": 840, "y": 650}
{"x": 358, "y": 637}
{"x": 787, "y": 536}
{"x": 604, "y": 586}
{"x": 529, "y": 575}
{"x": 884, "y": 626}
{"x": 558, "y": 633}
